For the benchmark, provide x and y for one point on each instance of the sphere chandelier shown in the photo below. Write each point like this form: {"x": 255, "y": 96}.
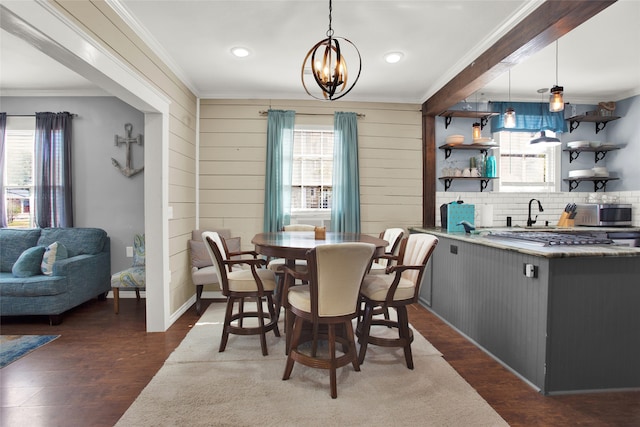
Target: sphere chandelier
{"x": 329, "y": 67}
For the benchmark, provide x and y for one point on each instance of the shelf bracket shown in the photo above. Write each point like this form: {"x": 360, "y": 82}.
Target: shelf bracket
{"x": 573, "y": 125}
{"x": 483, "y": 184}
{"x": 599, "y": 185}
{"x": 447, "y": 153}
{"x": 573, "y": 185}
{"x": 483, "y": 121}
{"x": 447, "y": 183}
{"x": 447, "y": 121}
{"x": 600, "y": 155}
{"x": 573, "y": 155}
{"x": 600, "y": 126}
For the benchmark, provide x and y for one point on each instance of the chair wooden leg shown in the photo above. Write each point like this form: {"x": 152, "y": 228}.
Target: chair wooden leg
{"x": 352, "y": 345}
{"x": 332, "y": 362}
{"x": 295, "y": 339}
{"x": 263, "y": 334}
{"x": 116, "y": 300}
{"x": 405, "y": 336}
{"x": 137, "y": 294}
{"x": 364, "y": 331}
{"x": 289, "y": 319}
{"x": 271, "y": 304}
{"x": 227, "y": 322}
{"x": 199, "y": 289}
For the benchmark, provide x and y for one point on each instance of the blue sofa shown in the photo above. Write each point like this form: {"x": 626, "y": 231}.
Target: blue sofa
{"x": 83, "y": 274}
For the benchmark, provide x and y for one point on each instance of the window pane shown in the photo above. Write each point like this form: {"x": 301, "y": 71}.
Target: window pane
{"x": 19, "y": 148}
{"x": 527, "y": 167}
{"x": 312, "y": 169}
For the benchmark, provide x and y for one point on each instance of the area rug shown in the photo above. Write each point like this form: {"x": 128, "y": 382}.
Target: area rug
{"x": 198, "y": 386}
{"x": 13, "y": 347}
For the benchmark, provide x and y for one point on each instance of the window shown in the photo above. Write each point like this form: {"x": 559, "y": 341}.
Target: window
{"x": 18, "y": 179}
{"x": 311, "y": 187}
{"x": 525, "y": 167}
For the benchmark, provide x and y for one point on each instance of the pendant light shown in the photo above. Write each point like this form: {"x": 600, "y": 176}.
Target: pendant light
{"x": 329, "y": 67}
{"x": 556, "y": 101}
{"x": 543, "y": 139}
{"x": 510, "y": 113}
{"x": 476, "y": 128}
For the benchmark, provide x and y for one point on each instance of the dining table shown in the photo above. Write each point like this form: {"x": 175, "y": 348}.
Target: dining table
{"x": 293, "y": 245}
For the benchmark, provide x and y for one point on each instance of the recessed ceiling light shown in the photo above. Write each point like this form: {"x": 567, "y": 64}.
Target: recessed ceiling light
{"x": 240, "y": 52}
{"x": 393, "y": 57}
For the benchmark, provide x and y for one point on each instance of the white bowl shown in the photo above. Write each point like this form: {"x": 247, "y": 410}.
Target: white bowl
{"x": 581, "y": 173}
{"x": 600, "y": 171}
{"x": 595, "y": 144}
{"x": 578, "y": 144}
{"x": 454, "y": 139}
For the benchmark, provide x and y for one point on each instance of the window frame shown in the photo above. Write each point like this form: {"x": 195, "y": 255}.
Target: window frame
{"x": 553, "y": 164}
{"x": 19, "y": 124}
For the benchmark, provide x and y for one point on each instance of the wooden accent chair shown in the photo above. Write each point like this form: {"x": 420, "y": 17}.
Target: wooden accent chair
{"x": 255, "y": 283}
{"x": 330, "y": 299}
{"x": 397, "y": 289}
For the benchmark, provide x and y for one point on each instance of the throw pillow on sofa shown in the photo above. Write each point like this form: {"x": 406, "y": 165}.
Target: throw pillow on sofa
{"x": 28, "y": 263}
{"x": 55, "y": 251}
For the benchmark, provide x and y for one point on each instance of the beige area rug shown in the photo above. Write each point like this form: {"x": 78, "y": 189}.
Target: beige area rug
{"x": 197, "y": 386}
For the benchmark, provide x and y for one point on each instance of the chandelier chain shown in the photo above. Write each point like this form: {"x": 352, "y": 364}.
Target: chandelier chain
{"x": 330, "y": 30}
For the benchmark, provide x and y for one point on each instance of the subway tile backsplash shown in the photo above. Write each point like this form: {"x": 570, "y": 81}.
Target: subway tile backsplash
{"x": 492, "y": 209}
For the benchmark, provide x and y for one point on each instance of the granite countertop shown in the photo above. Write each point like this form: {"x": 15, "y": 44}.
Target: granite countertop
{"x": 481, "y": 237}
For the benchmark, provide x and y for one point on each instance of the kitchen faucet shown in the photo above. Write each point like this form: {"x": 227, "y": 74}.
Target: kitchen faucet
{"x": 530, "y": 221}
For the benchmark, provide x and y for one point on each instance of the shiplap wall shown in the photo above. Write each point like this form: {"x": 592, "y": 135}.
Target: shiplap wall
{"x": 107, "y": 28}
{"x": 233, "y": 151}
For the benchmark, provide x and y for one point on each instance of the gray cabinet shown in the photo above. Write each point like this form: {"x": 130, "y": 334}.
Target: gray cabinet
{"x": 573, "y": 327}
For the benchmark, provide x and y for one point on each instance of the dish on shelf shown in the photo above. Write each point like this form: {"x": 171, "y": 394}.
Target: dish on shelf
{"x": 578, "y": 144}
{"x": 454, "y": 139}
{"x": 581, "y": 173}
{"x": 607, "y": 145}
{"x": 484, "y": 141}
{"x": 600, "y": 171}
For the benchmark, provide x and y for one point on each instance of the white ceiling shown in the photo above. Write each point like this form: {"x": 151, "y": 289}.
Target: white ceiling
{"x": 598, "y": 61}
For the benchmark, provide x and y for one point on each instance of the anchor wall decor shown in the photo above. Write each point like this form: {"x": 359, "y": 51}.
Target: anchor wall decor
{"x": 127, "y": 171}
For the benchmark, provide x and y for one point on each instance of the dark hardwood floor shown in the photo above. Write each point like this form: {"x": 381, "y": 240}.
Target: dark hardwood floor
{"x": 102, "y": 361}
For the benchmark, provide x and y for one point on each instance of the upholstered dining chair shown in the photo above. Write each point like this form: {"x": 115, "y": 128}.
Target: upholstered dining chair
{"x": 397, "y": 289}
{"x": 393, "y": 236}
{"x": 256, "y": 283}
{"x": 133, "y": 277}
{"x": 276, "y": 264}
{"x": 330, "y": 299}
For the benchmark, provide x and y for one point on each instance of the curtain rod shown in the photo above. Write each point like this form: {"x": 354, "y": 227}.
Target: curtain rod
{"x": 32, "y": 115}
{"x": 264, "y": 113}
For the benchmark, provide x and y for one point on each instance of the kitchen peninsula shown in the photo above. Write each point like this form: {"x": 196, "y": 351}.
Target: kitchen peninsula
{"x": 563, "y": 318}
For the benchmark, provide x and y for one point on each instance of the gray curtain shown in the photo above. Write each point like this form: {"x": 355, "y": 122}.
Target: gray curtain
{"x": 3, "y": 208}
{"x": 279, "y": 169}
{"x": 52, "y": 179}
{"x": 345, "y": 210}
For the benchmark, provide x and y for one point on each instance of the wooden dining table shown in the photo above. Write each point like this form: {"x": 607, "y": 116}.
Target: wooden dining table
{"x": 293, "y": 245}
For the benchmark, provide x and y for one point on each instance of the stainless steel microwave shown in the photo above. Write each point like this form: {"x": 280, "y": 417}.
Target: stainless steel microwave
{"x": 603, "y": 215}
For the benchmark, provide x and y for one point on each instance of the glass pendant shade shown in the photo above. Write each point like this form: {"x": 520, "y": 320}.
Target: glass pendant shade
{"x": 476, "y": 131}
{"x": 510, "y": 118}
{"x": 556, "y": 101}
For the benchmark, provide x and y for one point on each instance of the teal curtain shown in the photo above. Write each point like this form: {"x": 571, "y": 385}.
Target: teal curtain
{"x": 530, "y": 117}
{"x": 52, "y": 195}
{"x": 277, "y": 186}
{"x": 345, "y": 209}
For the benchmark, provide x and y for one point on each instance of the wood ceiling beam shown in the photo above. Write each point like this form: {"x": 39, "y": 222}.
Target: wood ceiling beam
{"x": 546, "y": 24}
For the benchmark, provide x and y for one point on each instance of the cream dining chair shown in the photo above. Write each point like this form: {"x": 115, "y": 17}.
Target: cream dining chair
{"x": 397, "y": 289}
{"x": 330, "y": 299}
{"x": 255, "y": 283}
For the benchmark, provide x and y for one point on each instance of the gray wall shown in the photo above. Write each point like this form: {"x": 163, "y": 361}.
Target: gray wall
{"x": 103, "y": 197}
